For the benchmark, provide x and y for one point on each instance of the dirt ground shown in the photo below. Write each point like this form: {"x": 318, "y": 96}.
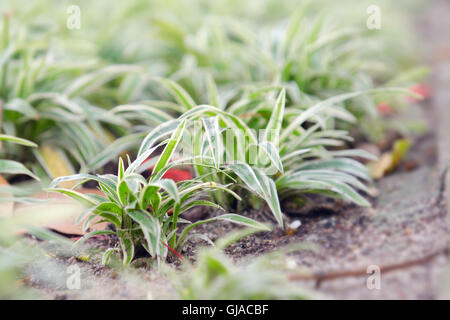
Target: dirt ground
{"x": 404, "y": 233}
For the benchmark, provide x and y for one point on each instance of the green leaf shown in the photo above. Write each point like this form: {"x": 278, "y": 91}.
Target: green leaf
{"x": 124, "y": 192}
{"x": 16, "y": 140}
{"x": 14, "y": 167}
{"x": 214, "y": 139}
{"x": 120, "y": 170}
{"x": 357, "y": 153}
{"x": 322, "y": 175}
{"x": 325, "y": 186}
{"x": 92, "y": 234}
{"x": 231, "y": 120}
{"x": 170, "y": 187}
{"x": 399, "y": 151}
{"x": 109, "y": 207}
{"x": 75, "y": 195}
{"x": 113, "y": 150}
{"x": 90, "y": 82}
{"x": 127, "y": 249}
{"x": 270, "y": 195}
{"x": 196, "y": 203}
{"x": 273, "y": 128}
{"x": 150, "y": 196}
{"x": 272, "y": 153}
{"x": 107, "y": 181}
{"x": 346, "y": 165}
{"x": 231, "y": 217}
{"x": 110, "y": 212}
{"x": 142, "y": 113}
{"x": 179, "y": 93}
{"x": 320, "y": 106}
{"x": 170, "y": 148}
{"x": 349, "y": 193}
{"x": 150, "y": 227}
{"x": 157, "y": 134}
{"x": 106, "y": 257}
{"x": 262, "y": 185}
{"x": 247, "y": 175}
{"x": 201, "y": 187}
{"x": 212, "y": 91}
{"x": 239, "y": 219}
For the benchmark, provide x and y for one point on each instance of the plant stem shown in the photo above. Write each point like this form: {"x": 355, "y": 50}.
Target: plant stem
{"x": 176, "y": 212}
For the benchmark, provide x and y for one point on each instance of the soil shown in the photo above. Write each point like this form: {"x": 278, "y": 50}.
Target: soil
{"x": 406, "y": 226}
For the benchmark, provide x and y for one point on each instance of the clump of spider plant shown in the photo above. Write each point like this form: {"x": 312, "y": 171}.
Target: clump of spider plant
{"x": 146, "y": 213}
{"x": 279, "y": 151}
{"x": 315, "y": 55}
{"x": 225, "y": 62}
{"x": 289, "y": 153}
{"x": 47, "y": 101}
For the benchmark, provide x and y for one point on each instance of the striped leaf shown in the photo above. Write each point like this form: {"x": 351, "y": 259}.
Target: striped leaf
{"x": 165, "y": 156}
{"x": 14, "y": 167}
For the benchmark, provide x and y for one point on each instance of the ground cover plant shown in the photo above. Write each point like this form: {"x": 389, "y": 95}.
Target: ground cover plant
{"x": 147, "y": 213}
{"x": 260, "y": 104}
{"x": 314, "y": 56}
{"x": 279, "y": 156}
{"x": 56, "y": 99}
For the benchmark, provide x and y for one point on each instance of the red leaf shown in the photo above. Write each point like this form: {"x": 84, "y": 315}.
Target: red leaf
{"x": 420, "y": 89}
{"x": 176, "y": 175}
{"x": 384, "y": 108}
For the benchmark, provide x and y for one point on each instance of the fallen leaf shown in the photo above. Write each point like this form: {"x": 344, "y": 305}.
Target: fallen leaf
{"x": 400, "y": 149}
{"x": 378, "y": 169}
{"x": 389, "y": 160}
{"x": 56, "y": 164}
{"x": 66, "y": 224}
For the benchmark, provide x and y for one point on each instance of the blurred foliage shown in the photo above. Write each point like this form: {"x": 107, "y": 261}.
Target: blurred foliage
{"x": 57, "y": 84}
{"x": 215, "y": 277}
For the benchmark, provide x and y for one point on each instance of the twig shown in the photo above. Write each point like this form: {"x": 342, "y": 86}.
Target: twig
{"x": 321, "y": 276}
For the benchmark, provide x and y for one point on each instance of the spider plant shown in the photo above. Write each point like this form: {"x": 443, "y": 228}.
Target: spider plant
{"x": 146, "y": 213}
{"x": 61, "y": 102}
{"x": 51, "y": 100}
{"x": 315, "y": 56}
{"x": 280, "y": 151}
